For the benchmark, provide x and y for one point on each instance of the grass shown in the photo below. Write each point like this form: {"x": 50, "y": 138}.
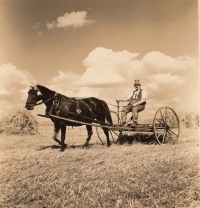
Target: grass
{"x": 139, "y": 175}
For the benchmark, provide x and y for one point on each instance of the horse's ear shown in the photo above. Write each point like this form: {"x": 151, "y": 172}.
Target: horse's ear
{"x": 36, "y": 88}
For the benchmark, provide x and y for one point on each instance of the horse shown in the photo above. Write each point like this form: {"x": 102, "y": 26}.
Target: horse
{"x": 86, "y": 110}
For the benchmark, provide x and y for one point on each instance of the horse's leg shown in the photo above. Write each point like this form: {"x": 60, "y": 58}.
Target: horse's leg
{"x": 107, "y": 136}
{"x": 63, "y": 132}
{"x": 89, "y": 131}
{"x": 56, "y": 130}
{"x": 105, "y": 130}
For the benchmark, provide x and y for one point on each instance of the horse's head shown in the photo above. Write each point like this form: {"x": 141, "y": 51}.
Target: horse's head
{"x": 32, "y": 99}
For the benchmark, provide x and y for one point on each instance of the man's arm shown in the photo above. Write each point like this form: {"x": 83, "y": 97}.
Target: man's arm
{"x": 139, "y": 102}
{"x": 124, "y": 100}
{"x": 128, "y": 98}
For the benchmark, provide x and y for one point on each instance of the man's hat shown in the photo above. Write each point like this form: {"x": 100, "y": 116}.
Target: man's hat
{"x": 137, "y": 83}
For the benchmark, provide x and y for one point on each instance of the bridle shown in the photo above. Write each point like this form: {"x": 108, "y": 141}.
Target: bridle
{"x": 40, "y": 103}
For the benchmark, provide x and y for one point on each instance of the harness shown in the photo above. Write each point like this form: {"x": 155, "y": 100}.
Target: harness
{"x": 60, "y": 103}
{"x": 67, "y": 107}
{"x": 65, "y": 104}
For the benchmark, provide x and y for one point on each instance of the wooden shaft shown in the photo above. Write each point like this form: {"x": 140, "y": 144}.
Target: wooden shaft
{"x": 114, "y": 128}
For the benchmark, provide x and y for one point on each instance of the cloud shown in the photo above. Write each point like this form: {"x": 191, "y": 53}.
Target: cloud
{"x": 14, "y": 85}
{"x": 167, "y": 78}
{"x": 74, "y": 19}
{"x": 106, "y": 67}
{"x": 110, "y": 75}
{"x": 159, "y": 62}
{"x": 65, "y": 83}
{"x": 37, "y": 25}
{"x": 12, "y": 79}
{"x": 68, "y": 83}
{"x": 50, "y": 25}
{"x": 163, "y": 82}
{"x": 158, "y": 73}
{"x": 176, "y": 100}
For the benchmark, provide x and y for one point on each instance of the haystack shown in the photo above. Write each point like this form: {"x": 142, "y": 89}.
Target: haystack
{"x": 19, "y": 122}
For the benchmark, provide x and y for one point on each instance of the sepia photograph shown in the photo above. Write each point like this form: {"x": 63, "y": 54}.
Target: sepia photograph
{"x": 99, "y": 104}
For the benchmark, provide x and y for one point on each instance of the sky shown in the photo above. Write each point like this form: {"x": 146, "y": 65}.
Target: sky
{"x": 99, "y": 48}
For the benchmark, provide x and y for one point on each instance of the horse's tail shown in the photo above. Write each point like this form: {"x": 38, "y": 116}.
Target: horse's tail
{"x": 108, "y": 114}
{"x": 108, "y": 117}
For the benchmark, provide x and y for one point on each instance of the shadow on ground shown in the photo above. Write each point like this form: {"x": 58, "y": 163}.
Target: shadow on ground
{"x": 67, "y": 147}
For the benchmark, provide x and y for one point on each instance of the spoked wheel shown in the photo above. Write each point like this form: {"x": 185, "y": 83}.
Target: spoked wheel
{"x": 166, "y": 126}
{"x": 113, "y": 135}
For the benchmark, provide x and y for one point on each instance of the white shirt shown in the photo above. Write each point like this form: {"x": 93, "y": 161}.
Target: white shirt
{"x": 135, "y": 95}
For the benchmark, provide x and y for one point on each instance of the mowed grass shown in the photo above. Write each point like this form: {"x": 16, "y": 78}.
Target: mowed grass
{"x": 34, "y": 175}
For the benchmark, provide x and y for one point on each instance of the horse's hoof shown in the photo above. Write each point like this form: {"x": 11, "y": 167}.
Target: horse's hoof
{"x": 62, "y": 149}
{"x": 85, "y": 147}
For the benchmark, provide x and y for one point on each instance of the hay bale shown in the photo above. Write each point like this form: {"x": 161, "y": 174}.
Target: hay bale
{"x": 20, "y": 122}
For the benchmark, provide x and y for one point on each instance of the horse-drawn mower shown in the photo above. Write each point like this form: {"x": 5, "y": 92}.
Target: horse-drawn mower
{"x": 164, "y": 128}
{"x": 65, "y": 111}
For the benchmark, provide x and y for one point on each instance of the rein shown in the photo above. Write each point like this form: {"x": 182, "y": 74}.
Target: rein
{"x": 40, "y": 103}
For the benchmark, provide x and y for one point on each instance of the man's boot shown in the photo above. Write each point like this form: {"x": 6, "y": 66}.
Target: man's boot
{"x": 134, "y": 124}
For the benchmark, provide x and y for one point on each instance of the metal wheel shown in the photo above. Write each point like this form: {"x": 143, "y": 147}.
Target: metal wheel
{"x": 166, "y": 126}
{"x": 113, "y": 135}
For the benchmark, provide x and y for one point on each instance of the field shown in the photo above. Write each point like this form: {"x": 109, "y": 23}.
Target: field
{"x": 35, "y": 175}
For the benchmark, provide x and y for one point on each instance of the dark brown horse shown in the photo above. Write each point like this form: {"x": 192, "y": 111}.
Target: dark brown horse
{"x": 85, "y": 110}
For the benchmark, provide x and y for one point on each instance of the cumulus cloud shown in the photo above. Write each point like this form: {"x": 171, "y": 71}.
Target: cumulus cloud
{"x": 68, "y": 83}
{"x": 36, "y": 26}
{"x": 74, "y": 19}
{"x": 50, "y": 25}
{"x": 159, "y": 62}
{"x": 159, "y": 83}
{"x": 110, "y": 75}
{"x": 14, "y": 85}
{"x": 106, "y": 67}
{"x": 65, "y": 82}
{"x": 12, "y": 79}
{"x": 115, "y": 72}
{"x": 167, "y": 78}
{"x": 176, "y": 100}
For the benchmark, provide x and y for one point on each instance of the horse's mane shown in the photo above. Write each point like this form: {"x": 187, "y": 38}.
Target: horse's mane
{"x": 44, "y": 90}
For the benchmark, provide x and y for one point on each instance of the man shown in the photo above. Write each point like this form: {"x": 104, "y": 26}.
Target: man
{"x": 137, "y": 102}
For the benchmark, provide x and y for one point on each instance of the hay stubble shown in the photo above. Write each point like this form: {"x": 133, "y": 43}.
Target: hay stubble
{"x": 138, "y": 175}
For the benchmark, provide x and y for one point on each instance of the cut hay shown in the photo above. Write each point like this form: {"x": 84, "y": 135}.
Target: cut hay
{"x": 131, "y": 137}
{"x": 19, "y": 122}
